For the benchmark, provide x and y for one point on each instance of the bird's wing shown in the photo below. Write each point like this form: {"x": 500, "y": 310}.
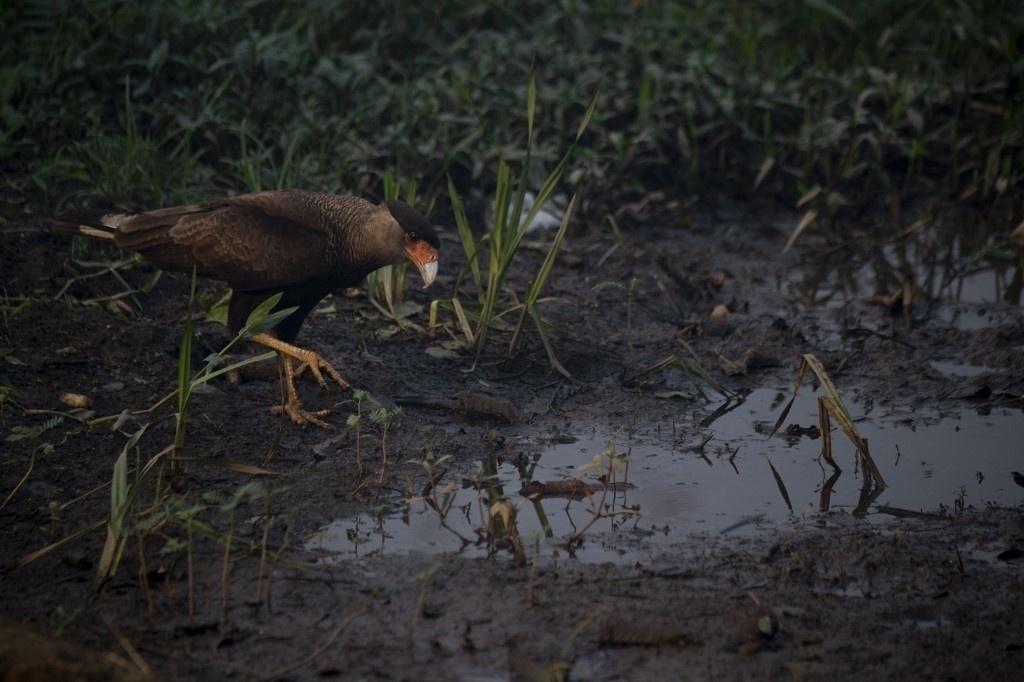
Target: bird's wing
{"x": 253, "y": 250}
{"x": 256, "y": 241}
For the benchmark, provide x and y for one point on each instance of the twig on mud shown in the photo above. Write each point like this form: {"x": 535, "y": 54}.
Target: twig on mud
{"x": 593, "y": 519}
{"x": 106, "y": 268}
{"x": 133, "y": 653}
{"x": 28, "y": 472}
{"x": 320, "y": 649}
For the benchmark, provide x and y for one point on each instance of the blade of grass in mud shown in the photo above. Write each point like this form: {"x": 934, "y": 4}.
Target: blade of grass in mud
{"x": 693, "y": 367}
{"x": 184, "y": 375}
{"x": 541, "y": 277}
{"x": 826, "y": 432}
{"x": 833, "y": 405}
{"x": 240, "y": 467}
{"x": 638, "y": 376}
{"x": 800, "y": 372}
{"x": 469, "y": 244}
{"x": 826, "y": 382}
{"x": 121, "y": 493}
{"x": 805, "y": 222}
{"x": 854, "y": 436}
{"x": 118, "y": 498}
{"x": 825, "y": 498}
{"x": 782, "y": 486}
{"x": 40, "y": 553}
{"x": 460, "y": 315}
{"x": 548, "y": 348}
{"x": 516, "y": 226}
{"x": 259, "y": 320}
{"x": 585, "y": 121}
{"x": 209, "y": 376}
{"x": 21, "y": 481}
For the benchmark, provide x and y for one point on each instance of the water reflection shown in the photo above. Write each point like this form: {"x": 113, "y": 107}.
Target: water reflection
{"x": 931, "y": 265}
{"x": 616, "y": 496}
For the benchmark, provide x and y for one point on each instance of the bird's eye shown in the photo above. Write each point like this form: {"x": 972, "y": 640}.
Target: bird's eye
{"x": 410, "y": 236}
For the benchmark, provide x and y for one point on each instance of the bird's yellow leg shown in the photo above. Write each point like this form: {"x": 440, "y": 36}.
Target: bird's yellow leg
{"x": 314, "y": 361}
{"x": 290, "y": 404}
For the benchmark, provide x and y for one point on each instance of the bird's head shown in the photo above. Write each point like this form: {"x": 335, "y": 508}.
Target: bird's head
{"x": 419, "y": 239}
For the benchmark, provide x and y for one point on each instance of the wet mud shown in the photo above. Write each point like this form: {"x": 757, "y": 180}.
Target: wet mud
{"x": 634, "y": 522}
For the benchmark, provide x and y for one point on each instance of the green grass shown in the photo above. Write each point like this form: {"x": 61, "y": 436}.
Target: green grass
{"x": 498, "y": 246}
{"x": 139, "y": 505}
{"x": 848, "y": 105}
{"x": 386, "y": 286}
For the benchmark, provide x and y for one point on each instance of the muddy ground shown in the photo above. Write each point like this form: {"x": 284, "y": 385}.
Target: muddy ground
{"x": 922, "y": 595}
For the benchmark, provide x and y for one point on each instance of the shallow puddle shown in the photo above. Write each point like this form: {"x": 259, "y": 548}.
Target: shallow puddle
{"x": 965, "y": 279}
{"x": 672, "y": 481}
{"x": 960, "y": 369}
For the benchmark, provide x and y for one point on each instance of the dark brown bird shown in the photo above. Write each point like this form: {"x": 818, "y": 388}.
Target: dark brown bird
{"x": 302, "y": 244}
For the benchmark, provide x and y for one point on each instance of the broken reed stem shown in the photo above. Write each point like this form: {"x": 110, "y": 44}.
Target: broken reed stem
{"x": 830, "y": 407}
{"x": 869, "y": 464}
{"x": 597, "y": 511}
{"x": 825, "y": 498}
{"x": 826, "y": 432}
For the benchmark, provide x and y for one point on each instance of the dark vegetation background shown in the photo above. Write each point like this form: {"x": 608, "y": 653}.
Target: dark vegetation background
{"x": 843, "y": 106}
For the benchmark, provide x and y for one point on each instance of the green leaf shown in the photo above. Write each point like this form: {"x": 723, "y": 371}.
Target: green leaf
{"x": 261, "y": 318}
{"x": 469, "y": 244}
{"x": 533, "y": 292}
{"x": 531, "y": 102}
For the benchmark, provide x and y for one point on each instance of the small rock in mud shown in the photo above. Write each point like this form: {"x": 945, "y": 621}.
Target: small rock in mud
{"x": 76, "y": 400}
{"x": 718, "y": 322}
{"x": 469, "y": 405}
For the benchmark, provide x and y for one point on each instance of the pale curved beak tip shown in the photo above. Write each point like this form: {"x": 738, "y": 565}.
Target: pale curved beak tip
{"x": 428, "y": 271}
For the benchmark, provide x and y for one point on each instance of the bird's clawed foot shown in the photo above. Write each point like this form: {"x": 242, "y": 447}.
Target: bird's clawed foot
{"x": 306, "y": 358}
{"x": 294, "y": 361}
{"x": 293, "y": 408}
{"x": 316, "y": 362}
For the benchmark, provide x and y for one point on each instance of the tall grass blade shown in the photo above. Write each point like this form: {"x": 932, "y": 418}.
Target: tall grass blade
{"x": 537, "y": 285}
{"x": 531, "y": 102}
{"x": 782, "y": 486}
{"x": 548, "y": 348}
{"x": 120, "y": 497}
{"x": 469, "y": 244}
{"x": 585, "y": 123}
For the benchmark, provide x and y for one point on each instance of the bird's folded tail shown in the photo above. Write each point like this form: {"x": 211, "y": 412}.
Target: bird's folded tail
{"x": 89, "y": 222}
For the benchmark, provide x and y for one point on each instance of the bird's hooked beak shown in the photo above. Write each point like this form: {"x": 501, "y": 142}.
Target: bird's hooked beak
{"x": 424, "y": 257}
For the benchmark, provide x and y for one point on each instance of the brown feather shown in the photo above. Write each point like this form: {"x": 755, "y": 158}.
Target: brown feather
{"x": 303, "y": 243}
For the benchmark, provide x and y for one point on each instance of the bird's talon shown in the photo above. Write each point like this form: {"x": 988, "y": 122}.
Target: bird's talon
{"x": 294, "y": 410}
{"x": 315, "y": 363}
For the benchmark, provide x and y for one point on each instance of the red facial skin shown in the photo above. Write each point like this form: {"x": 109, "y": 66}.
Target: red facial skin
{"x": 420, "y": 252}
